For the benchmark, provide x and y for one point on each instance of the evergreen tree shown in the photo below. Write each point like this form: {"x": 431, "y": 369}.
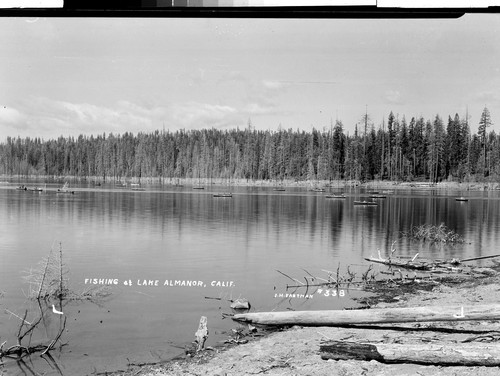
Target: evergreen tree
{"x": 454, "y": 147}
{"x": 436, "y": 149}
{"x": 484, "y": 123}
{"x": 338, "y": 149}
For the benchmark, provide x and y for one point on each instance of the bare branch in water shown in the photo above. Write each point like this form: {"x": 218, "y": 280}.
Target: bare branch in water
{"x": 293, "y": 279}
{"x": 49, "y": 281}
{"x": 432, "y": 233}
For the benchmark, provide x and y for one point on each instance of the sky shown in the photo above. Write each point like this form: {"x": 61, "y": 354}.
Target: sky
{"x": 72, "y": 76}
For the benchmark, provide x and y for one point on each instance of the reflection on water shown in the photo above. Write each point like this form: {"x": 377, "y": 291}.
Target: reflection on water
{"x": 155, "y": 242}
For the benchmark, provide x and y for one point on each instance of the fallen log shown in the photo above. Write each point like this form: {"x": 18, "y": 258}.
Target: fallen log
{"x": 408, "y": 264}
{"x": 474, "y": 258}
{"x": 372, "y": 316}
{"x": 425, "y": 265}
{"x": 449, "y": 355}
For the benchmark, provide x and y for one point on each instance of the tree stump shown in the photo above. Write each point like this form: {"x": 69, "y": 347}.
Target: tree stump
{"x": 201, "y": 334}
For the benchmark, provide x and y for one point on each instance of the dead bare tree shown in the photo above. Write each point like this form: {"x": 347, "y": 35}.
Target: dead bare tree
{"x": 49, "y": 278}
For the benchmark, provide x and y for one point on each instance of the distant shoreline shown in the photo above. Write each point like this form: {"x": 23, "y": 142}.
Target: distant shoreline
{"x": 286, "y": 183}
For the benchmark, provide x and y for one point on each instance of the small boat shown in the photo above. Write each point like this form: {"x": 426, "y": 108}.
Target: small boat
{"x": 65, "y": 189}
{"x": 335, "y": 196}
{"x": 198, "y": 187}
{"x": 228, "y": 194}
{"x": 461, "y": 198}
{"x": 318, "y": 190}
{"x": 366, "y": 203}
{"x": 22, "y": 188}
{"x": 279, "y": 189}
{"x": 378, "y": 196}
{"x": 135, "y": 187}
{"x": 35, "y": 189}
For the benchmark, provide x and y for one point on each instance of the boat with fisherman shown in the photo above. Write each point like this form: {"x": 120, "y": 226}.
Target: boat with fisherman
{"x": 223, "y": 194}
{"x": 341, "y": 195}
{"x": 366, "y": 203}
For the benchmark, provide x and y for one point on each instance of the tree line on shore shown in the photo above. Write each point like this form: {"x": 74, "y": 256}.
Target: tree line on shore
{"x": 398, "y": 149}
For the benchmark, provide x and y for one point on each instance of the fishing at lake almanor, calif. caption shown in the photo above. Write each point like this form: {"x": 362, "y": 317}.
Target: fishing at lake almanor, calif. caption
{"x": 157, "y": 282}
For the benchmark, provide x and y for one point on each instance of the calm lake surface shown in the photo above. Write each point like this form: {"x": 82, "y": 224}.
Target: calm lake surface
{"x": 153, "y": 243}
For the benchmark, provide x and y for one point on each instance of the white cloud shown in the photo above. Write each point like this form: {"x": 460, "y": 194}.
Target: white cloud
{"x": 262, "y": 97}
{"x": 274, "y": 85}
{"x": 488, "y": 97}
{"x": 47, "y": 118}
{"x": 10, "y": 115}
{"x": 393, "y": 97}
{"x": 201, "y": 115}
{"x": 232, "y": 76}
{"x": 259, "y": 109}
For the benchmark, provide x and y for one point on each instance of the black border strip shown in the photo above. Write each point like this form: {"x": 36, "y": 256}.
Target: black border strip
{"x": 136, "y": 8}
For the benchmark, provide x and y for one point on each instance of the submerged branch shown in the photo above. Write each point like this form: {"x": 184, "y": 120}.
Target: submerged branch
{"x": 19, "y": 351}
{"x": 293, "y": 279}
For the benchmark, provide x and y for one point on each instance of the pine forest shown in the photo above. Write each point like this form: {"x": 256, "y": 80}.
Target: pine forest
{"x": 398, "y": 149}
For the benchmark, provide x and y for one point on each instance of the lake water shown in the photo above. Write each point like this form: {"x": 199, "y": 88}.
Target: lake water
{"x": 154, "y": 243}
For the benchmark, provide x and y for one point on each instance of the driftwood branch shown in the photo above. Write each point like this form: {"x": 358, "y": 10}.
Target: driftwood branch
{"x": 30, "y": 329}
{"x": 430, "y": 266}
{"x": 61, "y": 273}
{"x": 293, "y": 279}
{"x": 19, "y": 350}
{"x": 44, "y": 275}
{"x": 54, "y": 341}
{"x": 478, "y": 258}
{"x": 408, "y": 264}
{"x": 372, "y": 316}
{"x": 450, "y": 354}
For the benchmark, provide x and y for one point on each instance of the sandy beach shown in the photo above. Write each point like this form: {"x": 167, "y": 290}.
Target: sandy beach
{"x": 296, "y": 350}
